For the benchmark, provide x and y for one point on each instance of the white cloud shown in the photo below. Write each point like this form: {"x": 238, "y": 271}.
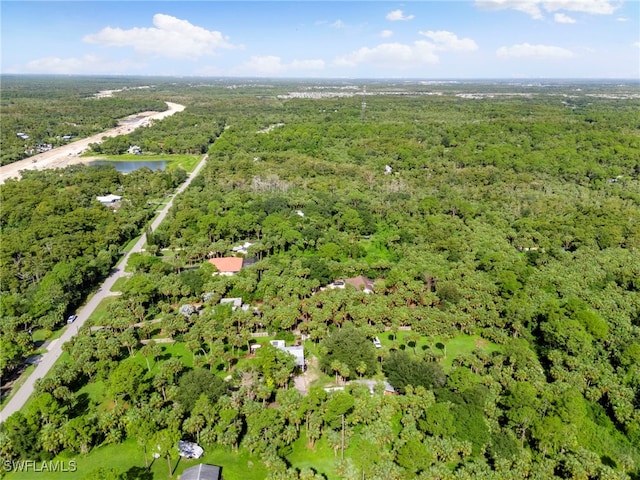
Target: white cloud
{"x": 338, "y": 24}
{"x": 595, "y": 7}
{"x": 526, "y": 50}
{"x": 622, "y": 19}
{"x": 535, "y": 7}
{"x": 636, "y": 44}
{"x": 87, "y": 64}
{"x": 306, "y": 65}
{"x": 170, "y": 37}
{"x": 448, "y": 41}
{"x": 562, "y": 18}
{"x": 396, "y": 55}
{"x": 398, "y": 15}
{"x": 527, "y": 6}
{"x": 273, "y": 65}
{"x": 386, "y": 33}
{"x": 401, "y": 55}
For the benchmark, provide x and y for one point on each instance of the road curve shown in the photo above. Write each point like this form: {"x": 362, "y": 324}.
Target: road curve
{"x": 55, "y": 348}
{"x": 69, "y": 154}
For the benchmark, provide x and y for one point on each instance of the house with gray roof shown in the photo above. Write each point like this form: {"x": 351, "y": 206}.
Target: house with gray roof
{"x": 297, "y": 351}
{"x": 202, "y": 471}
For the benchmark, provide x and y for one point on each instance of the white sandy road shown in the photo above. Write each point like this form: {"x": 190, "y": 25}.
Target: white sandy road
{"x": 70, "y": 154}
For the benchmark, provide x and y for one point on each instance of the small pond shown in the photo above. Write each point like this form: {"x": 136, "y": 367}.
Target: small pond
{"x": 130, "y": 166}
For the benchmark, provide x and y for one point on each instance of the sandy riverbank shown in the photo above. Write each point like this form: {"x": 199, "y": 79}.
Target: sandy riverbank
{"x": 70, "y": 154}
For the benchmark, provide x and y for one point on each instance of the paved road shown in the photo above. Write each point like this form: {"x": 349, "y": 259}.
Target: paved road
{"x": 55, "y": 347}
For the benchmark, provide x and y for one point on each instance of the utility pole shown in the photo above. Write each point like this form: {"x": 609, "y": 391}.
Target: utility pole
{"x": 342, "y": 439}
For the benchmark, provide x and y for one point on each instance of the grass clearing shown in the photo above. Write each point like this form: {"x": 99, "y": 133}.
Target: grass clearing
{"x": 101, "y": 313}
{"x": 128, "y": 457}
{"x": 119, "y": 284}
{"x": 453, "y": 347}
{"x": 95, "y": 391}
{"x": 167, "y": 351}
{"x": 464, "y": 345}
{"x": 177, "y": 350}
{"x": 320, "y": 457}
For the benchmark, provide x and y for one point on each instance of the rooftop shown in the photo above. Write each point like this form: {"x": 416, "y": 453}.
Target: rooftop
{"x": 202, "y": 471}
{"x": 227, "y": 264}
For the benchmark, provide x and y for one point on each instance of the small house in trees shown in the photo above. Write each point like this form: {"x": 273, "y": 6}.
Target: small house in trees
{"x": 235, "y": 302}
{"x": 373, "y": 384}
{"x": 190, "y": 449}
{"x": 227, "y": 265}
{"x": 110, "y": 199}
{"x": 297, "y": 351}
{"x": 202, "y": 471}
{"x": 361, "y": 283}
{"x": 243, "y": 249}
{"x": 335, "y": 284}
{"x": 135, "y": 150}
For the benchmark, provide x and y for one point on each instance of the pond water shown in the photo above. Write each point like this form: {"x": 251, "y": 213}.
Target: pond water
{"x": 130, "y": 166}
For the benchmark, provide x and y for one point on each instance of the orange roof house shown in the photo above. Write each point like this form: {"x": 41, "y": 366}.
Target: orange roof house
{"x": 227, "y": 265}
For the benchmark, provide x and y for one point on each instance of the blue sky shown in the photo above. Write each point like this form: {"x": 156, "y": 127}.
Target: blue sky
{"x": 361, "y": 39}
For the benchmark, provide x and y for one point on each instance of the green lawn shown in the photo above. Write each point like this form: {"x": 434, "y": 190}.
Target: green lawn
{"x": 320, "y": 457}
{"x": 454, "y": 347}
{"x": 169, "y": 350}
{"x": 96, "y": 391}
{"x": 465, "y": 344}
{"x": 129, "y": 457}
{"x": 119, "y": 283}
{"x": 177, "y": 350}
{"x": 100, "y": 314}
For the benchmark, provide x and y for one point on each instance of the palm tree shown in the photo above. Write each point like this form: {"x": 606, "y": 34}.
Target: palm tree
{"x": 150, "y": 349}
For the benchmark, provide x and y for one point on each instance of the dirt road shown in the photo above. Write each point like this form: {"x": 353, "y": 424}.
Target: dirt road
{"x": 70, "y": 154}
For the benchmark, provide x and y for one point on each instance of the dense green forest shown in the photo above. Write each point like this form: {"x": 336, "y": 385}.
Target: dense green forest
{"x": 499, "y": 224}
{"x": 58, "y": 242}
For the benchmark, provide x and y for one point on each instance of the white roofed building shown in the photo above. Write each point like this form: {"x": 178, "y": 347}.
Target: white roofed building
{"x": 109, "y": 199}
{"x": 297, "y": 351}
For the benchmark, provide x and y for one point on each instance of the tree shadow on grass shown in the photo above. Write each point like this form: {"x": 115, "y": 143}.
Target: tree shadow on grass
{"x": 175, "y": 467}
{"x": 138, "y": 473}
{"x": 81, "y": 405}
